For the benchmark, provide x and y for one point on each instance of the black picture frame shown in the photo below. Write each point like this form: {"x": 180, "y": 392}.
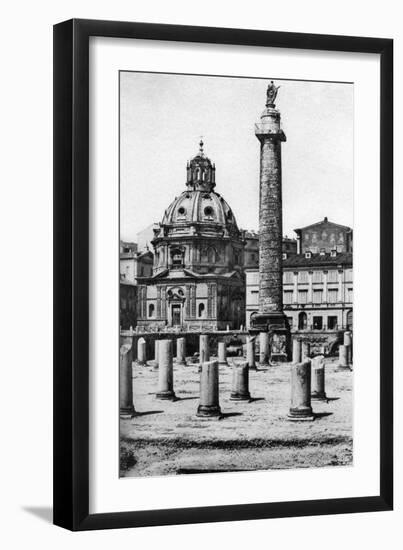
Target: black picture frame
{"x": 71, "y": 274}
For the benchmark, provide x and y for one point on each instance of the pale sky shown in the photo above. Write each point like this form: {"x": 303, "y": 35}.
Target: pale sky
{"x": 163, "y": 116}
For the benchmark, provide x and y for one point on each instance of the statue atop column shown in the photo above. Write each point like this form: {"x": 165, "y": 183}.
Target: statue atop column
{"x": 272, "y": 91}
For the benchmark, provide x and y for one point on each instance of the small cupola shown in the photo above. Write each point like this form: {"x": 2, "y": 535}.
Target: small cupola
{"x": 200, "y": 172}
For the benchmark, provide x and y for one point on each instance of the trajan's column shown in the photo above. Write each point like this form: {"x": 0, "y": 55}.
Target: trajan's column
{"x": 270, "y": 317}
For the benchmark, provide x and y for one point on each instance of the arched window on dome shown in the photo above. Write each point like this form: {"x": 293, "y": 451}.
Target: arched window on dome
{"x": 181, "y": 212}
{"x": 208, "y": 213}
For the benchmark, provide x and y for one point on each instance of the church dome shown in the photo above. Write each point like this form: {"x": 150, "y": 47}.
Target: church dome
{"x": 198, "y": 233}
{"x": 199, "y": 207}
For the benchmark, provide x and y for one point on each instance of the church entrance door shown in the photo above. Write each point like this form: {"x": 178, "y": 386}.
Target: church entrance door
{"x": 176, "y": 315}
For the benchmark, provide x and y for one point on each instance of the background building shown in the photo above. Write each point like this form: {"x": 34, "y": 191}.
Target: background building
{"x": 324, "y": 236}
{"x": 317, "y": 287}
{"x": 145, "y": 237}
{"x": 251, "y": 250}
{"x": 135, "y": 265}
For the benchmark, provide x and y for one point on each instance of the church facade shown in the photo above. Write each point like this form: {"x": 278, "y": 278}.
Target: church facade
{"x": 198, "y": 280}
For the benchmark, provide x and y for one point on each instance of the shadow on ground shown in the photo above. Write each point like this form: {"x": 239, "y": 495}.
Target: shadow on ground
{"x": 45, "y": 513}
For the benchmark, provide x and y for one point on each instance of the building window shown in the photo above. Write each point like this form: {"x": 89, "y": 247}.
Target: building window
{"x": 288, "y": 276}
{"x": 211, "y": 256}
{"x": 349, "y": 295}
{"x": 208, "y": 212}
{"x": 201, "y": 310}
{"x": 290, "y": 321}
{"x": 151, "y": 309}
{"x": 302, "y": 296}
{"x": 317, "y": 323}
{"x": 332, "y": 323}
{"x": 332, "y": 295}
{"x": 177, "y": 257}
{"x": 317, "y": 296}
{"x": 302, "y": 321}
{"x": 317, "y": 276}
{"x": 288, "y": 296}
{"x": 332, "y": 276}
{"x": 181, "y": 211}
{"x": 303, "y": 276}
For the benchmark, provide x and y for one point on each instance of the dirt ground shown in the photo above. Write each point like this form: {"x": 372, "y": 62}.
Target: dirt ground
{"x": 166, "y": 438}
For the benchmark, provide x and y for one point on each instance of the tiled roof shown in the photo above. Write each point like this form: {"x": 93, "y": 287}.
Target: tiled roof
{"x": 317, "y": 260}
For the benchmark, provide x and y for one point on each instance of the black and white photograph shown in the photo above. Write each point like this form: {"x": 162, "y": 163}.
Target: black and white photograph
{"x": 235, "y": 274}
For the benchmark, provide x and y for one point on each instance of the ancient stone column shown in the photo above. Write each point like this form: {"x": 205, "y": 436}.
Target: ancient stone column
{"x": 209, "y": 405}
{"x": 141, "y": 352}
{"x": 250, "y": 353}
{"x": 270, "y": 317}
{"x": 240, "y": 382}
{"x": 181, "y": 351}
{"x": 156, "y": 347}
{"x": 305, "y": 350}
{"x": 165, "y": 371}
{"x": 222, "y": 354}
{"x": 296, "y": 350}
{"x": 125, "y": 382}
{"x": 318, "y": 379}
{"x": 348, "y": 341}
{"x": 343, "y": 358}
{"x": 301, "y": 391}
{"x": 264, "y": 351}
{"x": 204, "y": 349}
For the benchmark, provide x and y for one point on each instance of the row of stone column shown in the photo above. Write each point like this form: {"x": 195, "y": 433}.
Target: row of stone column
{"x": 204, "y": 351}
{"x": 304, "y": 387}
{"x": 301, "y": 351}
{"x": 209, "y": 392}
{"x": 142, "y": 356}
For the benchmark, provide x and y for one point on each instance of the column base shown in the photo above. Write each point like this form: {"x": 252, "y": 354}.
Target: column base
{"x": 223, "y": 364}
{"x": 166, "y": 395}
{"x": 181, "y": 363}
{"x": 235, "y": 396}
{"x": 317, "y": 396}
{"x": 209, "y": 411}
{"x": 127, "y": 412}
{"x": 304, "y": 414}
